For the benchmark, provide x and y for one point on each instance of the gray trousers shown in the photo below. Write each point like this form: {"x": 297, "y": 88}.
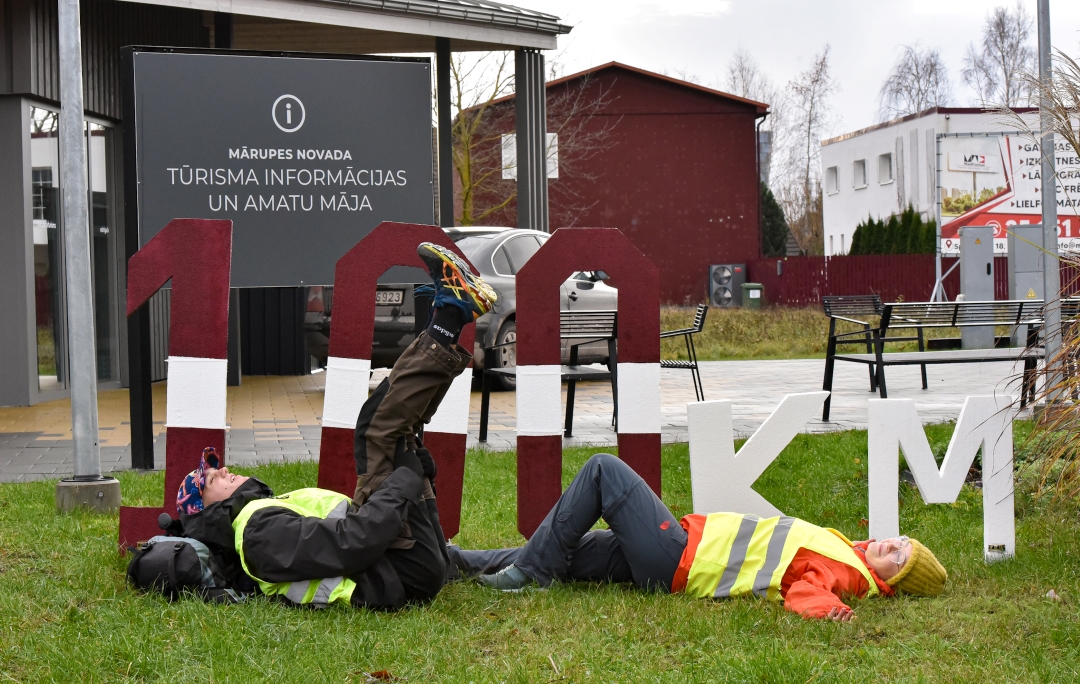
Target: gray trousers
{"x": 644, "y": 543}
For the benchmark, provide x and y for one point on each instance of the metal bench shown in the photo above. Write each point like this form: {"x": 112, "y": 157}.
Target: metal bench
{"x": 691, "y": 364}
{"x": 582, "y": 326}
{"x": 847, "y": 308}
{"x": 920, "y": 315}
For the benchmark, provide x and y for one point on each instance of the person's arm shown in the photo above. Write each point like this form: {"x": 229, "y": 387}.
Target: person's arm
{"x": 809, "y": 598}
{"x": 283, "y": 546}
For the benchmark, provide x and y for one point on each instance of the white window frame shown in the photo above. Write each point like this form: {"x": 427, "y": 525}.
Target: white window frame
{"x": 885, "y": 162}
{"x": 832, "y": 180}
{"x": 858, "y": 168}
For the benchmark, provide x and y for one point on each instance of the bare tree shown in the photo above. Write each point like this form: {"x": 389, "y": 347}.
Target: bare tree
{"x": 1062, "y": 97}
{"x": 745, "y": 79}
{"x": 800, "y": 173}
{"x": 481, "y": 121}
{"x": 476, "y": 82}
{"x": 918, "y": 81}
{"x": 575, "y": 115}
{"x": 993, "y": 69}
{"x": 44, "y": 121}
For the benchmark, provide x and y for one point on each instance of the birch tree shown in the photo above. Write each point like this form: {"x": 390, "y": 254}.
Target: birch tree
{"x": 918, "y": 81}
{"x": 800, "y": 187}
{"x": 993, "y": 69}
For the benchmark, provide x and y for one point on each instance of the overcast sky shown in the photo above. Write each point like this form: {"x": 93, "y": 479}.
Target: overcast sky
{"x": 698, "y": 37}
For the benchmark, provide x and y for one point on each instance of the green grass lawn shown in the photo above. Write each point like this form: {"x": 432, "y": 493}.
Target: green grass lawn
{"x": 67, "y": 615}
{"x": 775, "y": 332}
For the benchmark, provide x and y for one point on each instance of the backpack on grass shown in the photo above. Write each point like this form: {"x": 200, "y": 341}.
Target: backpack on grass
{"x": 173, "y": 565}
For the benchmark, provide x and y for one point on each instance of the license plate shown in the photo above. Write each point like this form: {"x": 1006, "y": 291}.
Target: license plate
{"x": 389, "y": 297}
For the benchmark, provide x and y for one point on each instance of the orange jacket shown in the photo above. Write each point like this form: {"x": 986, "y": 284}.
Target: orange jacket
{"x": 812, "y": 585}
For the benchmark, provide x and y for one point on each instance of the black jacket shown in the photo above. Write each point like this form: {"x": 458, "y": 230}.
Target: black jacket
{"x": 282, "y": 546}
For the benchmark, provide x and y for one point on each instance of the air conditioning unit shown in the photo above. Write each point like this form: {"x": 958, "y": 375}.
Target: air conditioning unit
{"x": 725, "y": 285}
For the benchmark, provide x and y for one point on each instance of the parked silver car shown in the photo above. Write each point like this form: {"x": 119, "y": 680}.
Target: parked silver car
{"x": 497, "y": 253}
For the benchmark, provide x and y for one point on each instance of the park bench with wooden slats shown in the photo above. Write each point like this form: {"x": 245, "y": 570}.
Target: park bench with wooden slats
{"x": 581, "y": 327}
{"x": 920, "y": 315}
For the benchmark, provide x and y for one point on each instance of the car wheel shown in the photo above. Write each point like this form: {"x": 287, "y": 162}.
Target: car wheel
{"x": 506, "y": 357}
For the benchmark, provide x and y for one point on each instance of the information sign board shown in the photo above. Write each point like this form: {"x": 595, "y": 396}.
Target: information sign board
{"x": 305, "y": 154}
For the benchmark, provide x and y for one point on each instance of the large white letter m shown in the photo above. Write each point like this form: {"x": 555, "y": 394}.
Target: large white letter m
{"x": 985, "y": 422}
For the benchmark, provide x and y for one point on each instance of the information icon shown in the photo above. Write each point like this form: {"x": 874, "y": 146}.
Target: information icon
{"x": 288, "y": 112}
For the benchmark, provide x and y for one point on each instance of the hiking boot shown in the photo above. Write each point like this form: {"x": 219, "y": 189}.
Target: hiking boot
{"x": 507, "y": 579}
{"x": 455, "y": 283}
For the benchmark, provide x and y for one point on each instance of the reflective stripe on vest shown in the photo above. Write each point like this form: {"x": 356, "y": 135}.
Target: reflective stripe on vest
{"x": 742, "y": 554}
{"x": 314, "y": 503}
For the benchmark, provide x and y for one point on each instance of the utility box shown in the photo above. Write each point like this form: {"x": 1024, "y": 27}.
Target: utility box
{"x": 1025, "y": 269}
{"x": 753, "y": 295}
{"x": 977, "y": 280}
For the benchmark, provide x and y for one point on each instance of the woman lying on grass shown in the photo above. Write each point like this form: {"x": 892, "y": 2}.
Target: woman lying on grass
{"x": 812, "y": 569}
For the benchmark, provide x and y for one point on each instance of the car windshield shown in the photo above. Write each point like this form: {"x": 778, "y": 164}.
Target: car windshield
{"x": 470, "y": 245}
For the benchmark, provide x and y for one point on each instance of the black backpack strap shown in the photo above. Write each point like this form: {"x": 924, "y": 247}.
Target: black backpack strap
{"x": 174, "y": 587}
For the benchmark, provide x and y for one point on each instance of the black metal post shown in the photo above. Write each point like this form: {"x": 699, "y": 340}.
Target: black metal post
{"x": 531, "y": 112}
{"x": 446, "y": 139}
{"x": 233, "y": 373}
{"x": 140, "y": 395}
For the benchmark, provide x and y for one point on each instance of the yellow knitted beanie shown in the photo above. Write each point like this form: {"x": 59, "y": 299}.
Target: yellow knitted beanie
{"x": 922, "y": 575}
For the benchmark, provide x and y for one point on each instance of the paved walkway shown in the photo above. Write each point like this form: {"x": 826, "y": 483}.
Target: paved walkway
{"x": 277, "y": 418}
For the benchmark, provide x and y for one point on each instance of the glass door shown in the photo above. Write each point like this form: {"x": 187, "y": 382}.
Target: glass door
{"x": 49, "y": 298}
{"x": 103, "y": 251}
{"x": 48, "y": 249}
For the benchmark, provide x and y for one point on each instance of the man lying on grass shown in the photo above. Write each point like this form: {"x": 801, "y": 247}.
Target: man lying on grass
{"x": 812, "y": 569}
{"x": 384, "y": 548}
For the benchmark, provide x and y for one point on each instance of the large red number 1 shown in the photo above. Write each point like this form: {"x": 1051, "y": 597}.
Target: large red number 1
{"x": 197, "y": 255}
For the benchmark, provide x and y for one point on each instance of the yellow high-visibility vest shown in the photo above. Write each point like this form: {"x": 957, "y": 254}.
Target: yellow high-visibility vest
{"x": 311, "y": 502}
{"x": 741, "y": 554}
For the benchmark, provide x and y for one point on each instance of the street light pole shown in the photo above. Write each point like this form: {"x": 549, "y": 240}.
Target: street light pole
{"x": 1048, "y": 179}
{"x": 87, "y": 488}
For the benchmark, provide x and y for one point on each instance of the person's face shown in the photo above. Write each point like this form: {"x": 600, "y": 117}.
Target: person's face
{"x": 220, "y": 485}
{"x": 887, "y": 557}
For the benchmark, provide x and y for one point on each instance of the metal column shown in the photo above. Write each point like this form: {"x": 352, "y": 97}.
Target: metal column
{"x": 1051, "y": 275}
{"x": 80, "y": 304}
{"x": 446, "y": 139}
{"x": 531, "y": 112}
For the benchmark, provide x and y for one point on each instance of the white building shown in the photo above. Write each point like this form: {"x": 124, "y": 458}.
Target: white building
{"x": 880, "y": 170}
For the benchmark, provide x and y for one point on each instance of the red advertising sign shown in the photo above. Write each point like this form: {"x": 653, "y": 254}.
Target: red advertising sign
{"x": 998, "y": 183}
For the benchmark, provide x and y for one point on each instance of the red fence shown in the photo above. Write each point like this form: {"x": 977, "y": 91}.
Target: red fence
{"x": 801, "y": 281}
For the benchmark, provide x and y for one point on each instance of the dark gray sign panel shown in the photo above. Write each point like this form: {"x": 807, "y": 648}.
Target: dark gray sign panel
{"x": 306, "y": 155}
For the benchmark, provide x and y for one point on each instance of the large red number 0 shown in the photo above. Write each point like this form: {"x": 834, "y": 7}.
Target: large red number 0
{"x": 349, "y": 365}
{"x": 539, "y": 420}
{"x": 197, "y": 255}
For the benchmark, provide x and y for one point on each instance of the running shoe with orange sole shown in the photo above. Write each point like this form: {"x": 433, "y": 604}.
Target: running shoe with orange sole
{"x": 455, "y": 282}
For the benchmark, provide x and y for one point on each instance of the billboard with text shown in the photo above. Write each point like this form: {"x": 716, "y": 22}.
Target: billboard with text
{"x": 996, "y": 181}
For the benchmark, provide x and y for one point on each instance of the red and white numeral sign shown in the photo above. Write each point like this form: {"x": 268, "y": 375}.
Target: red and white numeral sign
{"x": 539, "y": 418}
{"x": 197, "y": 255}
{"x": 349, "y": 365}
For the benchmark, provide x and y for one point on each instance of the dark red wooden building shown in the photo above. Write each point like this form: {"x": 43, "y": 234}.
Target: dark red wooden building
{"x": 676, "y": 171}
